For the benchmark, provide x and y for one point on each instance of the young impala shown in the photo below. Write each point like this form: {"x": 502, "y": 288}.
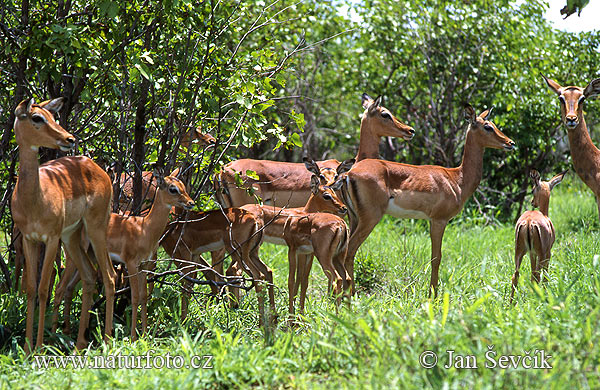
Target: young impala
{"x": 57, "y": 201}
{"x": 376, "y": 187}
{"x": 534, "y": 231}
{"x": 132, "y": 241}
{"x": 312, "y": 229}
{"x": 585, "y": 155}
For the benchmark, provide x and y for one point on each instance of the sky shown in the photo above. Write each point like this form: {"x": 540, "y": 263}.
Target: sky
{"x": 588, "y": 21}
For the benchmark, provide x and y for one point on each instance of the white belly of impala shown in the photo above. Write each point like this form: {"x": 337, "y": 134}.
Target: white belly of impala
{"x": 396, "y": 211}
{"x": 274, "y": 240}
{"x": 213, "y": 246}
{"x": 115, "y": 258}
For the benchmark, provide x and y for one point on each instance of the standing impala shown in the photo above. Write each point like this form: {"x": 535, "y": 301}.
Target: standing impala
{"x": 585, "y": 155}
{"x": 534, "y": 231}
{"x": 56, "y": 201}
{"x": 376, "y": 187}
{"x": 132, "y": 240}
{"x": 284, "y": 184}
{"x": 312, "y": 229}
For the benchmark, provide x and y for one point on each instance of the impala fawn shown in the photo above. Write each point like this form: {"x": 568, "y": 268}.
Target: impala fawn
{"x": 534, "y": 232}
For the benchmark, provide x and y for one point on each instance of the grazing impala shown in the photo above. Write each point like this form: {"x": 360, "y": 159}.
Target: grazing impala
{"x": 375, "y": 187}
{"x": 534, "y": 231}
{"x": 585, "y": 155}
{"x": 132, "y": 241}
{"x": 284, "y": 184}
{"x": 57, "y": 201}
{"x": 312, "y": 229}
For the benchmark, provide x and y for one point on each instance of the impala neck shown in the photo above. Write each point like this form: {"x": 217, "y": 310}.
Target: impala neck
{"x": 156, "y": 221}
{"x": 368, "y": 146}
{"x": 544, "y": 205}
{"x": 28, "y": 182}
{"x": 312, "y": 205}
{"x": 583, "y": 150}
{"x": 471, "y": 167}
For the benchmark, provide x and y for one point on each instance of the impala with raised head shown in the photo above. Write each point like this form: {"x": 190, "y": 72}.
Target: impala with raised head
{"x": 375, "y": 187}
{"x": 57, "y": 201}
{"x": 284, "y": 184}
{"x": 312, "y": 229}
{"x": 132, "y": 241}
{"x": 585, "y": 155}
{"x": 534, "y": 231}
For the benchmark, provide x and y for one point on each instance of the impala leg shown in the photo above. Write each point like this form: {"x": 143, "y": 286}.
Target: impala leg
{"x": 258, "y": 278}
{"x": 68, "y": 299}
{"x": 88, "y": 281}
{"x": 307, "y": 261}
{"x": 151, "y": 267}
{"x": 251, "y": 252}
{"x": 437, "y": 229}
{"x": 216, "y": 258}
{"x": 543, "y": 266}
{"x": 143, "y": 299}
{"x": 61, "y": 289}
{"x": 233, "y": 272}
{"x": 31, "y": 251}
{"x": 134, "y": 283}
{"x": 365, "y": 226}
{"x": 519, "y": 253}
{"x": 293, "y": 268}
{"x": 49, "y": 256}
{"x": 325, "y": 258}
{"x": 97, "y": 237}
{"x": 535, "y": 271}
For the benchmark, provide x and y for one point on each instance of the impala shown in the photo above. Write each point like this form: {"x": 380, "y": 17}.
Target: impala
{"x": 585, "y": 155}
{"x": 148, "y": 183}
{"x": 284, "y": 184}
{"x": 235, "y": 230}
{"x": 534, "y": 231}
{"x": 133, "y": 240}
{"x": 374, "y": 187}
{"x": 309, "y": 230}
{"x": 57, "y": 201}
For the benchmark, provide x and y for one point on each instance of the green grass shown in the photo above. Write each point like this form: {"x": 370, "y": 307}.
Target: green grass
{"x": 376, "y": 343}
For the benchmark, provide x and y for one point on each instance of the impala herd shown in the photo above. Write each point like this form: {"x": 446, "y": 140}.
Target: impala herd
{"x": 301, "y": 206}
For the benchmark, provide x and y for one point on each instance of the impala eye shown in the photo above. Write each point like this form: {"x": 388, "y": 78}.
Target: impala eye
{"x": 562, "y": 99}
{"x": 173, "y": 190}
{"x": 488, "y": 127}
{"x": 326, "y": 196}
{"x": 581, "y": 99}
{"x": 38, "y": 119}
{"x": 386, "y": 115}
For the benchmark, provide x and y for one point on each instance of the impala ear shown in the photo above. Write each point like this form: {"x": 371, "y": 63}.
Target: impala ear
{"x": 24, "y": 108}
{"x": 592, "y": 89}
{"x": 53, "y": 105}
{"x": 557, "y": 179}
{"x": 345, "y": 166}
{"x": 366, "y": 101}
{"x": 484, "y": 115}
{"x": 469, "y": 113}
{"x": 314, "y": 184}
{"x": 373, "y": 107}
{"x": 311, "y": 165}
{"x": 535, "y": 176}
{"x": 553, "y": 85}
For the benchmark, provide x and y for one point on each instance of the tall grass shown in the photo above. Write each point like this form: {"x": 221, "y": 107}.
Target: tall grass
{"x": 377, "y": 342}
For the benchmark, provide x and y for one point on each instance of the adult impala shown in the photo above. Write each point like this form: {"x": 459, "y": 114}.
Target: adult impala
{"x": 56, "y": 201}
{"x": 534, "y": 231}
{"x": 284, "y": 184}
{"x": 375, "y": 187}
{"x": 585, "y": 155}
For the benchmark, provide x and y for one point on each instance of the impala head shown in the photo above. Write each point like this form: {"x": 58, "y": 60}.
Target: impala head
{"x": 35, "y": 126}
{"x": 383, "y": 123}
{"x": 488, "y": 135}
{"x": 196, "y": 135}
{"x": 323, "y": 187}
{"x": 173, "y": 193}
{"x": 571, "y": 100}
{"x": 541, "y": 189}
